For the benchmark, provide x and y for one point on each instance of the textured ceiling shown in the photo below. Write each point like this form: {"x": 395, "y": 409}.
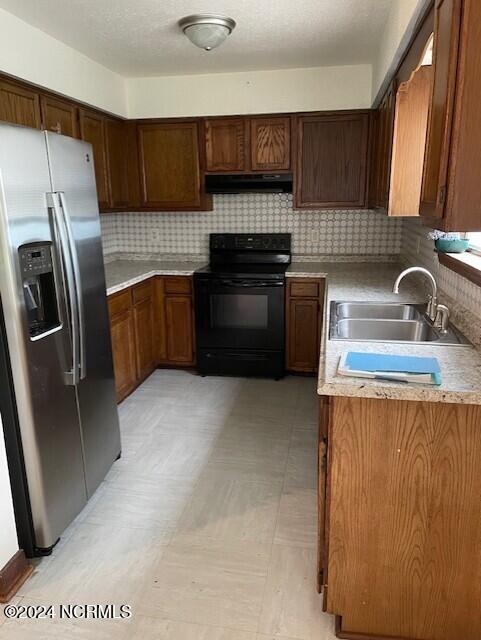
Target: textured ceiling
{"x": 141, "y": 37}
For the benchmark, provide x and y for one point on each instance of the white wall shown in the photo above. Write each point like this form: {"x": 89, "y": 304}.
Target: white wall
{"x": 403, "y": 15}
{"x": 8, "y": 535}
{"x": 31, "y": 54}
{"x": 346, "y": 87}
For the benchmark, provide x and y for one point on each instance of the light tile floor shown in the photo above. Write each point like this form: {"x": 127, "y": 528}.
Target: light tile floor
{"x": 206, "y": 527}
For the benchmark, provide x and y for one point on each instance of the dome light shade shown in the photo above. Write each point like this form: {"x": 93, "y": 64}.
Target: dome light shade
{"x": 207, "y": 31}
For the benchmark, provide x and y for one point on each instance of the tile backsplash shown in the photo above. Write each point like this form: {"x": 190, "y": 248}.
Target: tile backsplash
{"x": 418, "y": 249}
{"x": 313, "y": 232}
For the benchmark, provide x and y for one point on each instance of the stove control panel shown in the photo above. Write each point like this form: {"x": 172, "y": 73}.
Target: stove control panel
{"x": 250, "y": 241}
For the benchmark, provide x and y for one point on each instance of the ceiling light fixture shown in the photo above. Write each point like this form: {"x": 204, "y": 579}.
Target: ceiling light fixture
{"x": 207, "y": 31}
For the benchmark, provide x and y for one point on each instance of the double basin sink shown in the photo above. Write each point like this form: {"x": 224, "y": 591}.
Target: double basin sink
{"x": 388, "y": 322}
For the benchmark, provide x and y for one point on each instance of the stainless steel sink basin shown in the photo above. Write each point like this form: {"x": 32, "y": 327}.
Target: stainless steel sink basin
{"x": 378, "y": 311}
{"x": 388, "y": 322}
{"x": 387, "y": 330}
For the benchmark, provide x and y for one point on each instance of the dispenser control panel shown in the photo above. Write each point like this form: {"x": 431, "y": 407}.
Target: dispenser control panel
{"x": 35, "y": 260}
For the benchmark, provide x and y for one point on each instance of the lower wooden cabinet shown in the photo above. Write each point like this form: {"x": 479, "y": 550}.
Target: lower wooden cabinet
{"x": 131, "y": 327}
{"x": 143, "y": 311}
{"x": 304, "y": 306}
{"x": 151, "y": 324}
{"x": 400, "y": 546}
{"x": 175, "y": 321}
{"x": 322, "y": 485}
{"x": 122, "y": 331}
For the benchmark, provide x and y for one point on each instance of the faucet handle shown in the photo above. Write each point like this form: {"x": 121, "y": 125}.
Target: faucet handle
{"x": 432, "y": 307}
{"x": 442, "y": 318}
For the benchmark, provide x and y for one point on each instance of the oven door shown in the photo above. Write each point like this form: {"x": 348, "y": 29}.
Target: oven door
{"x": 239, "y": 313}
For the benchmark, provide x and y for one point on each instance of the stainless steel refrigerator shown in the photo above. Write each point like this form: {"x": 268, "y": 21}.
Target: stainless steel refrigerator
{"x": 57, "y": 391}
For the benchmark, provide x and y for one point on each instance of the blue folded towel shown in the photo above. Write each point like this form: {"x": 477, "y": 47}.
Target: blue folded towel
{"x": 391, "y": 363}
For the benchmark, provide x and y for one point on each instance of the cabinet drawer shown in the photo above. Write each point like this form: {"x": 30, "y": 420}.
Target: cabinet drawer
{"x": 142, "y": 291}
{"x": 178, "y": 284}
{"x": 304, "y": 289}
{"x": 120, "y": 302}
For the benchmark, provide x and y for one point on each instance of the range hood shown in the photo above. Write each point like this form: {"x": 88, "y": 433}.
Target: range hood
{"x": 249, "y": 183}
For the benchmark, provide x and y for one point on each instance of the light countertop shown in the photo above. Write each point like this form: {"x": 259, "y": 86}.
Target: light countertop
{"x": 350, "y": 281}
{"x": 460, "y": 366}
{"x": 121, "y": 274}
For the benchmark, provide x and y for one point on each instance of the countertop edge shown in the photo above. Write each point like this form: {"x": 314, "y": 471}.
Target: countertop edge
{"x": 293, "y": 271}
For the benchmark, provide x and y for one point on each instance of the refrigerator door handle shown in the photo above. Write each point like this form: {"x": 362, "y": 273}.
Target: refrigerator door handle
{"x": 53, "y": 202}
{"x": 78, "y": 287}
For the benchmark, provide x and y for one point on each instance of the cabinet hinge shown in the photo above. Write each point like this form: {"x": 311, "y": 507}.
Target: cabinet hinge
{"x": 442, "y": 194}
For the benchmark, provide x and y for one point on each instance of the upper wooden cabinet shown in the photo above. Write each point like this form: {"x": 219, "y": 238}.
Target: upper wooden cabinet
{"x": 60, "y": 116}
{"x": 381, "y": 149}
{"x": 451, "y": 193}
{"x": 332, "y": 154}
{"x": 118, "y": 169}
{"x": 170, "y": 165}
{"x": 248, "y": 145}
{"x": 270, "y": 142}
{"x": 19, "y": 105}
{"x": 447, "y": 23}
{"x": 225, "y": 145}
{"x": 412, "y": 107}
{"x": 92, "y": 129}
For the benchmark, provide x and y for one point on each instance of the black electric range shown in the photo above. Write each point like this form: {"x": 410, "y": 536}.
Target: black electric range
{"x": 240, "y": 305}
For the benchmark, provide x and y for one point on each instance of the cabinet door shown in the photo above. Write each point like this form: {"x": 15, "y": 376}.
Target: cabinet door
{"x": 447, "y": 23}
{"x": 332, "y": 161}
{"x": 321, "y": 491}
{"x": 92, "y": 129}
{"x": 412, "y": 107}
{"x": 160, "y": 334}
{"x": 387, "y": 110}
{"x": 59, "y": 116}
{"x": 123, "y": 351}
{"x": 270, "y": 144}
{"x": 143, "y": 322}
{"x": 118, "y": 177}
{"x": 169, "y": 165}
{"x": 19, "y": 105}
{"x": 303, "y": 335}
{"x": 178, "y": 311}
{"x": 225, "y": 145}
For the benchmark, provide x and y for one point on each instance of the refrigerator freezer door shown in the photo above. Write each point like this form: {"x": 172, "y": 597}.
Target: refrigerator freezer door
{"x": 47, "y": 407}
{"x": 72, "y": 176}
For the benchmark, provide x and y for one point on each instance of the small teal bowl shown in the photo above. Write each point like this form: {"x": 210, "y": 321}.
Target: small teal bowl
{"x": 451, "y": 246}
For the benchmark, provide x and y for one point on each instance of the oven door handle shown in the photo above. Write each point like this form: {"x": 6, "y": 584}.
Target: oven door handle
{"x": 253, "y": 284}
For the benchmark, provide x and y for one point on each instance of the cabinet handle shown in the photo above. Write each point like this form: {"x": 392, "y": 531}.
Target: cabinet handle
{"x": 442, "y": 194}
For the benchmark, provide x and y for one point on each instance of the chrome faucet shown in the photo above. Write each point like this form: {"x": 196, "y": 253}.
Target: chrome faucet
{"x": 437, "y": 313}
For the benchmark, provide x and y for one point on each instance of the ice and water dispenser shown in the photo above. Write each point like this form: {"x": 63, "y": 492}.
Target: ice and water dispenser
{"x": 38, "y": 282}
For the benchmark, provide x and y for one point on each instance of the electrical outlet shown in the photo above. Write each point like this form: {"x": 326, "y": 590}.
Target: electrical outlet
{"x": 315, "y": 236}
{"x": 155, "y": 237}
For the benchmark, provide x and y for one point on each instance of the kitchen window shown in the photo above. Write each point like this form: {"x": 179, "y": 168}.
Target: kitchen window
{"x": 475, "y": 242}
{"x": 467, "y": 264}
